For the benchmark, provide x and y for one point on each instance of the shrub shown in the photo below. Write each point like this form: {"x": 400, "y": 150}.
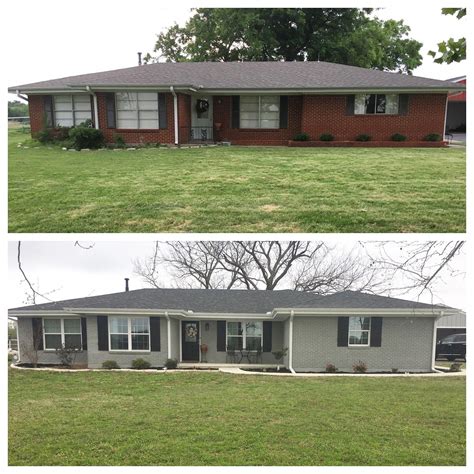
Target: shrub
{"x": 110, "y": 364}
{"x": 394, "y": 370}
{"x": 326, "y": 137}
{"x": 433, "y": 137}
{"x": 61, "y": 133}
{"x": 363, "y": 138}
{"x": 398, "y": 137}
{"x": 331, "y": 368}
{"x": 45, "y": 135}
{"x": 140, "y": 364}
{"x": 67, "y": 355}
{"x": 171, "y": 363}
{"x": 85, "y": 137}
{"x": 359, "y": 367}
{"x": 301, "y": 137}
{"x": 119, "y": 141}
{"x": 456, "y": 367}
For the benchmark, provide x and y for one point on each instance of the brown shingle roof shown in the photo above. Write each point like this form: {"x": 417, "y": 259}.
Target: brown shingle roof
{"x": 246, "y": 76}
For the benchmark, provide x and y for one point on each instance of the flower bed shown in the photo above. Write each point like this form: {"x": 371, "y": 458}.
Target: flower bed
{"x": 369, "y": 144}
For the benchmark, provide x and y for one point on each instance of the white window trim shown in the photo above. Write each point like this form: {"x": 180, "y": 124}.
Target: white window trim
{"x": 138, "y": 110}
{"x": 62, "y": 333}
{"x": 72, "y": 110}
{"x": 258, "y": 115}
{"x": 382, "y": 113}
{"x": 359, "y": 330}
{"x": 244, "y": 333}
{"x": 129, "y": 333}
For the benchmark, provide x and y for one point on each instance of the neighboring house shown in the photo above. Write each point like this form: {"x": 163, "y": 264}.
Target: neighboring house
{"x": 247, "y": 103}
{"x": 456, "y": 116}
{"x": 158, "y": 324}
{"x": 451, "y": 324}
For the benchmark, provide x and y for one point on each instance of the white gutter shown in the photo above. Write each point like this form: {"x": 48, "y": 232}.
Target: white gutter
{"x": 168, "y": 322}
{"x": 290, "y": 344}
{"x": 21, "y": 96}
{"x": 433, "y": 349}
{"x": 175, "y": 110}
{"x": 445, "y": 116}
{"x": 96, "y": 110}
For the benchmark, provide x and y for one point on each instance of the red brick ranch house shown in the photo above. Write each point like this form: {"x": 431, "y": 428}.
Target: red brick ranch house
{"x": 245, "y": 103}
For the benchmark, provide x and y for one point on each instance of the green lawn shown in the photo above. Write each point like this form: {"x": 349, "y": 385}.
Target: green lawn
{"x": 97, "y": 418}
{"x": 235, "y": 189}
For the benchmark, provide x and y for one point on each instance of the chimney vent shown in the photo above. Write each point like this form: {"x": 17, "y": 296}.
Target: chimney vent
{"x": 126, "y": 283}
{"x": 139, "y": 59}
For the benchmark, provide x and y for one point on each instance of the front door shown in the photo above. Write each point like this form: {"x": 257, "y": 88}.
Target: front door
{"x": 190, "y": 341}
{"x": 201, "y": 118}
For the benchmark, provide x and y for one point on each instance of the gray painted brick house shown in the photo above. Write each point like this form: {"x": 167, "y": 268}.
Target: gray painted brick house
{"x": 213, "y": 327}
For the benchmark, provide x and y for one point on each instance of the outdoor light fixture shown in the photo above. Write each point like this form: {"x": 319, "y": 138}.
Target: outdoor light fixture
{"x": 206, "y": 326}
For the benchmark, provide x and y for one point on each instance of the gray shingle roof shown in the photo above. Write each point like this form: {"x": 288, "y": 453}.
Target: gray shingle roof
{"x": 228, "y": 301}
{"x": 246, "y": 75}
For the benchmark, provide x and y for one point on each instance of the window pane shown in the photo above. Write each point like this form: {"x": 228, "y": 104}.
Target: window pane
{"x": 62, "y": 102}
{"x": 234, "y": 328}
{"x": 140, "y": 342}
{"x": 381, "y": 103}
{"x": 118, "y": 325}
{"x": 270, "y": 104}
{"x": 234, "y": 342}
{"x": 126, "y": 100}
{"x": 148, "y": 104}
{"x": 82, "y": 104}
{"x": 52, "y": 342}
{"x": 72, "y": 326}
{"x": 127, "y": 123}
{"x": 52, "y": 325}
{"x": 82, "y": 116}
{"x": 358, "y": 323}
{"x": 119, "y": 341}
{"x": 359, "y": 104}
{"x": 148, "y": 114}
{"x": 140, "y": 325}
{"x": 64, "y": 115}
{"x": 253, "y": 343}
{"x": 269, "y": 123}
{"x": 249, "y": 123}
{"x": 370, "y": 104}
{"x": 149, "y": 123}
{"x": 72, "y": 340}
{"x": 253, "y": 328}
{"x": 392, "y": 104}
{"x": 359, "y": 337}
{"x": 148, "y": 96}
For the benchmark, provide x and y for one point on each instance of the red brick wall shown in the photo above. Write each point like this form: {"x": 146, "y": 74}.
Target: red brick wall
{"x": 223, "y": 112}
{"x": 327, "y": 114}
{"x": 313, "y": 114}
{"x": 36, "y": 110}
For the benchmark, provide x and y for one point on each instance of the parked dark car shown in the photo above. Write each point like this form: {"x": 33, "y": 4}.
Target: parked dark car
{"x": 452, "y": 347}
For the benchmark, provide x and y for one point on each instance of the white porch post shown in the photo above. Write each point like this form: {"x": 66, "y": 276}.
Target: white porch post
{"x": 175, "y": 113}
{"x": 168, "y": 328}
{"x": 290, "y": 343}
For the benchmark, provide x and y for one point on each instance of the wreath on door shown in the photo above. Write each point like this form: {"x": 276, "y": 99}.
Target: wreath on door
{"x": 191, "y": 331}
{"x": 202, "y": 105}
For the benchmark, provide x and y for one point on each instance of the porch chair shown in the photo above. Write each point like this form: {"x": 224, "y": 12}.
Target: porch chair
{"x": 231, "y": 355}
{"x": 257, "y": 354}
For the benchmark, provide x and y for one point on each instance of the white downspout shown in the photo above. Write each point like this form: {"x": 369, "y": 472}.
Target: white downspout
{"x": 290, "y": 344}
{"x": 24, "y": 97}
{"x": 17, "y": 327}
{"x": 433, "y": 349}
{"x": 175, "y": 110}
{"x": 96, "y": 110}
{"x": 168, "y": 322}
{"x": 445, "y": 116}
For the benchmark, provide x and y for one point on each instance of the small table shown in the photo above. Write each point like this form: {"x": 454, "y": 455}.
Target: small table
{"x": 245, "y": 353}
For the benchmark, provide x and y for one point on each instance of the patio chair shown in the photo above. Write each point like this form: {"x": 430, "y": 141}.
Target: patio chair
{"x": 257, "y": 354}
{"x": 231, "y": 355}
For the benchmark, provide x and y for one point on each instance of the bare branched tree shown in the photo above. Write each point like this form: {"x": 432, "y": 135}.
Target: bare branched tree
{"x": 413, "y": 266}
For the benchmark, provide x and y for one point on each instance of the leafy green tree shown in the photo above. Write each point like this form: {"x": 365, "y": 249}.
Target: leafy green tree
{"x": 341, "y": 35}
{"x": 17, "y": 109}
{"x": 451, "y": 51}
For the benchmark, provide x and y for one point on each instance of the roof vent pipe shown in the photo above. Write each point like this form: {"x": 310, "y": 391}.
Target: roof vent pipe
{"x": 139, "y": 59}
{"x": 126, "y": 283}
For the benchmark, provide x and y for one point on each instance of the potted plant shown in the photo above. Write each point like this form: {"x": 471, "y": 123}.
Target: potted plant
{"x": 204, "y": 349}
{"x": 279, "y": 356}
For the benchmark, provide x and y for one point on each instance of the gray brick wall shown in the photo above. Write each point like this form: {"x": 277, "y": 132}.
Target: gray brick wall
{"x": 406, "y": 345}
{"x": 25, "y": 336}
{"x": 123, "y": 359}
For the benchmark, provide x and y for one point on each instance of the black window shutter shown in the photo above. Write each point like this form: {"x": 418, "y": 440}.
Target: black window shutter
{"x": 37, "y": 333}
{"x": 110, "y": 106}
{"x": 163, "y": 117}
{"x": 350, "y": 100}
{"x": 102, "y": 333}
{"x": 283, "y": 111}
{"x": 93, "y": 112}
{"x": 267, "y": 336}
{"x": 235, "y": 111}
{"x": 84, "y": 333}
{"x": 155, "y": 333}
{"x": 342, "y": 331}
{"x": 48, "y": 111}
{"x": 221, "y": 333}
{"x": 376, "y": 332}
{"x": 403, "y": 100}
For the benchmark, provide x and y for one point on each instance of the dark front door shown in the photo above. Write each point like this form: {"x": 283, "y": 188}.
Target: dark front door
{"x": 190, "y": 341}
